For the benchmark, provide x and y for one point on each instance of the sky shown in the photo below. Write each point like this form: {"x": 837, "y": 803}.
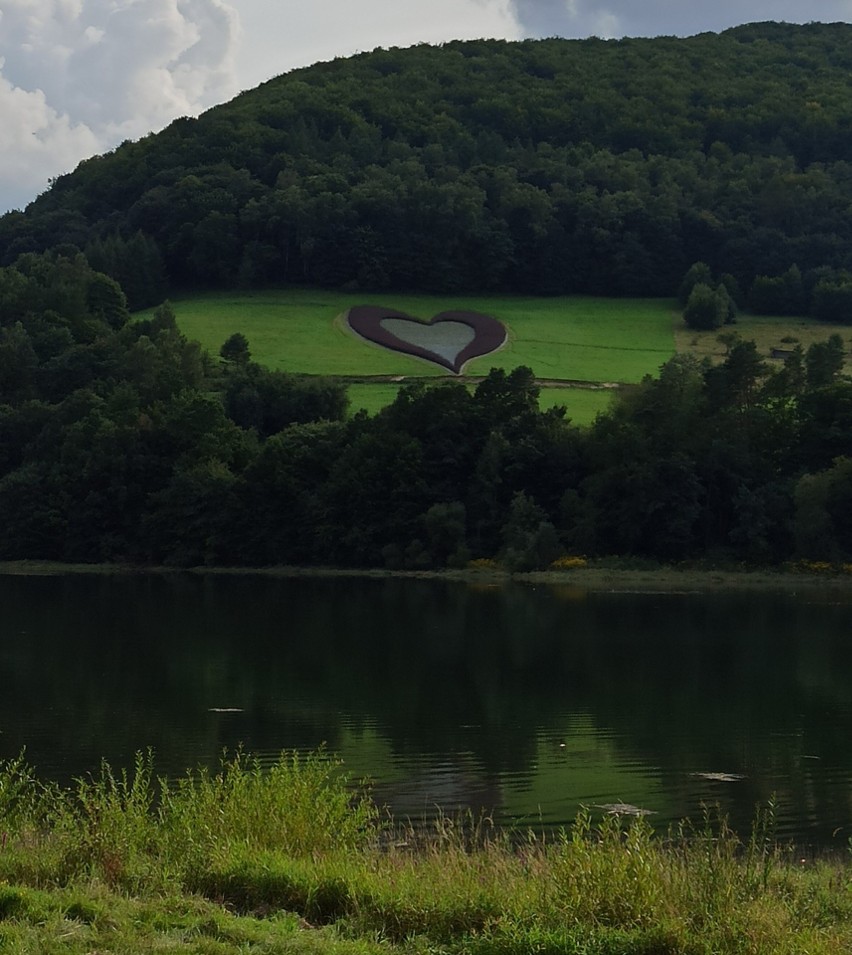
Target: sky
{"x": 78, "y": 77}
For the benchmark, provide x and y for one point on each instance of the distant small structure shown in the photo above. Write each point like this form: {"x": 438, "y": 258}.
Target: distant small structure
{"x": 782, "y": 354}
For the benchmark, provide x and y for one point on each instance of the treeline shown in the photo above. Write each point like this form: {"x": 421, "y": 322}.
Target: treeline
{"x": 123, "y": 441}
{"x": 709, "y": 302}
{"x": 552, "y": 166}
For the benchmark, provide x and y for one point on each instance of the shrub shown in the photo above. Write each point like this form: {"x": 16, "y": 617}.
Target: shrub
{"x": 569, "y": 563}
{"x": 832, "y": 300}
{"x": 778, "y": 294}
{"x": 706, "y": 308}
{"x": 483, "y": 563}
{"x": 300, "y": 805}
{"x": 236, "y": 349}
{"x": 698, "y": 273}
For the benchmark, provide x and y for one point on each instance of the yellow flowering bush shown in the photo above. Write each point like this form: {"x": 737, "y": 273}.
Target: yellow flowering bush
{"x": 568, "y": 563}
{"x": 483, "y": 563}
{"x": 816, "y": 566}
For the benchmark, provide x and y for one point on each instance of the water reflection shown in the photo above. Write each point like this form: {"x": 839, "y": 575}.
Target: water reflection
{"x": 528, "y": 701}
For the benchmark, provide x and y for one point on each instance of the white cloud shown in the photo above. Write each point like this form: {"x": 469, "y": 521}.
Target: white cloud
{"x": 36, "y": 142}
{"x": 301, "y": 32}
{"x": 79, "y": 76}
{"x": 614, "y": 18}
{"x": 606, "y": 25}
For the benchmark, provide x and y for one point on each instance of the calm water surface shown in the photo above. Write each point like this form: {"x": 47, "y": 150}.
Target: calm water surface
{"x": 526, "y": 701}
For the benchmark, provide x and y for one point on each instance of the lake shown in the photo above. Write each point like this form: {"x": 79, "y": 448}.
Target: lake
{"x": 527, "y": 701}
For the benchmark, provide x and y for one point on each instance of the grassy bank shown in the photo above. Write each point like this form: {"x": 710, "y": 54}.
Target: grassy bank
{"x": 609, "y": 575}
{"x": 291, "y": 859}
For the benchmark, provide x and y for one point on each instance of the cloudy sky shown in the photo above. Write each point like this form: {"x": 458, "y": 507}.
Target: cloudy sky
{"x": 77, "y": 77}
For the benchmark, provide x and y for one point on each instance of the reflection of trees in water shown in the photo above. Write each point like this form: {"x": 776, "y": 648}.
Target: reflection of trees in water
{"x": 448, "y": 790}
{"x": 743, "y": 683}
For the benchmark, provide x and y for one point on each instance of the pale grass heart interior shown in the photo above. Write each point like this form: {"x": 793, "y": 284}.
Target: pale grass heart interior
{"x": 447, "y": 339}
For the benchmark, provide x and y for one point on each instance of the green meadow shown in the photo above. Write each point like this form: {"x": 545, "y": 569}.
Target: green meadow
{"x": 563, "y": 339}
{"x": 582, "y": 405}
{"x": 574, "y": 338}
{"x": 288, "y": 858}
{"x": 566, "y": 338}
{"x": 768, "y": 332}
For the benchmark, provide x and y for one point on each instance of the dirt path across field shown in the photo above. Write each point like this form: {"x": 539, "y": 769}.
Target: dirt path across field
{"x": 474, "y": 380}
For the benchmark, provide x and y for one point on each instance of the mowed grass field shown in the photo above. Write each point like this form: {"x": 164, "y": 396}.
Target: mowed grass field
{"x": 570, "y": 338}
{"x": 582, "y": 405}
{"x": 564, "y": 339}
{"x": 573, "y": 338}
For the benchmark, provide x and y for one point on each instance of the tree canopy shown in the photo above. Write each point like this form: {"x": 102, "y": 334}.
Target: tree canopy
{"x": 548, "y": 165}
{"x": 123, "y": 441}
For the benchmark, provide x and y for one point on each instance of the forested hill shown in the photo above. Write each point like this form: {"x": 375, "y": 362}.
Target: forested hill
{"x": 552, "y": 165}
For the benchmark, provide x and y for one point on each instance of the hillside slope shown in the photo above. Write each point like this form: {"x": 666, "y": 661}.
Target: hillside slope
{"x": 550, "y": 166}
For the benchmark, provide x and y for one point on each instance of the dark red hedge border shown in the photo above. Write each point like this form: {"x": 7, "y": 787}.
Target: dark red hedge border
{"x": 489, "y": 333}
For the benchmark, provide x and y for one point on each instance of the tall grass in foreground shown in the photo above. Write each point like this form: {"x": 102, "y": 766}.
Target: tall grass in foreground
{"x": 295, "y": 837}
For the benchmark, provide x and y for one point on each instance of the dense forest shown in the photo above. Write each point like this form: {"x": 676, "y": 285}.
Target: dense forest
{"x": 122, "y": 441}
{"x": 551, "y": 166}
{"x": 713, "y": 168}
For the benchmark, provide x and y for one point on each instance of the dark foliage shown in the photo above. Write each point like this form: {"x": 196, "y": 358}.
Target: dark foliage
{"x": 481, "y": 165}
{"x": 551, "y": 165}
{"x": 114, "y": 445}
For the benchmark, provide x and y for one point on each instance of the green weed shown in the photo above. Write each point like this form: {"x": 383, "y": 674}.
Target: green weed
{"x": 106, "y": 827}
{"x": 299, "y": 806}
{"x": 288, "y": 857}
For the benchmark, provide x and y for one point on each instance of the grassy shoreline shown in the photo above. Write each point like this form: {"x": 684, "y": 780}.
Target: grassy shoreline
{"x": 595, "y": 577}
{"x": 290, "y": 859}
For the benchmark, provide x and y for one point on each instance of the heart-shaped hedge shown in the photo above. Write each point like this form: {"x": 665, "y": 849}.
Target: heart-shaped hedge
{"x": 449, "y": 339}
